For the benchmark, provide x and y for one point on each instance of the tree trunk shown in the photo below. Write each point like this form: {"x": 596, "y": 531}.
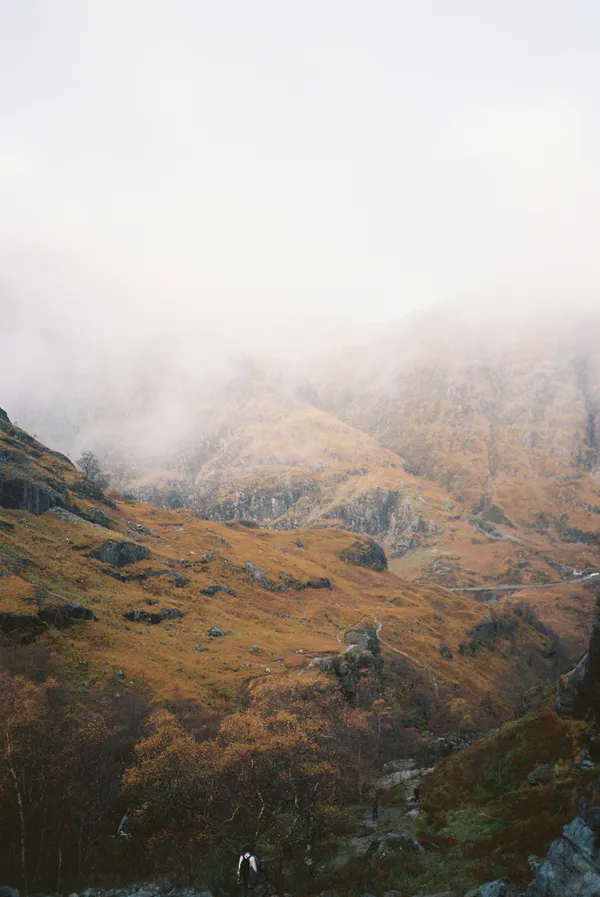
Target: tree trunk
{"x": 21, "y": 815}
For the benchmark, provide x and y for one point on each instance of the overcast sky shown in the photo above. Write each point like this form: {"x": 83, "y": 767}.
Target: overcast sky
{"x": 322, "y": 157}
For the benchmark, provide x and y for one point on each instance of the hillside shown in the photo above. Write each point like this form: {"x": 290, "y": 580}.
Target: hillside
{"x": 281, "y": 598}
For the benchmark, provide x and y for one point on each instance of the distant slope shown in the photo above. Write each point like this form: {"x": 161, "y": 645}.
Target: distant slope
{"x": 446, "y": 660}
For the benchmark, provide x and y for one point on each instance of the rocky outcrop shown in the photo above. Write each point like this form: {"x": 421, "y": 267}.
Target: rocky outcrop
{"x": 373, "y": 849}
{"x": 4, "y": 418}
{"x": 578, "y": 692}
{"x": 20, "y": 494}
{"x": 362, "y": 654}
{"x": 119, "y": 554}
{"x": 499, "y": 888}
{"x": 365, "y": 638}
{"x": 21, "y": 626}
{"x": 263, "y": 505}
{"x": 153, "y": 618}
{"x": 60, "y": 613}
{"x": 402, "y": 773}
{"x": 572, "y": 866}
{"x": 365, "y": 553}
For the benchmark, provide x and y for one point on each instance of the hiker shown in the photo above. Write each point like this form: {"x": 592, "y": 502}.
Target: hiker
{"x": 248, "y": 871}
{"x": 375, "y": 808}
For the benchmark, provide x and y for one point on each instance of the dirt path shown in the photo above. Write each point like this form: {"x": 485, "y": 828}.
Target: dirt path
{"x": 519, "y": 586}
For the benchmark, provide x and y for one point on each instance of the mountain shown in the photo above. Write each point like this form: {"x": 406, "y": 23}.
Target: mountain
{"x": 467, "y": 445}
{"x": 125, "y": 589}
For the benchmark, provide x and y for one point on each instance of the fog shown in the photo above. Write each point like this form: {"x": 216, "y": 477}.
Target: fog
{"x": 183, "y": 183}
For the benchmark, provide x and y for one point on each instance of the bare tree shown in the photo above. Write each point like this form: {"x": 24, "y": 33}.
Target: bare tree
{"x": 89, "y": 465}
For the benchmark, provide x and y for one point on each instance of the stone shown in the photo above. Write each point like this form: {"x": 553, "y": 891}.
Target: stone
{"x": 171, "y": 613}
{"x": 99, "y": 517}
{"x": 4, "y": 417}
{"x": 215, "y": 632}
{"x": 20, "y": 493}
{"x": 5, "y": 890}
{"x": 541, "y": 774}
{"x": 572, "y": 866}
{"x": 180, "y": 581}
{"x": 446, "y": 652}
{"x": 213, "y": 590}
{"x": 498, "y": 888}
{"x": 59, "y": 613}
{"x": 254, "y": 649}
{"x": 365, "y": 553}
{"x": 365, "y": 638}
{"x": 318, "y": 582}
{"x": 119, "y": 554}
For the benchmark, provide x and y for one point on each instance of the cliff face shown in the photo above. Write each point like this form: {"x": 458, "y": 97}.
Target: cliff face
{"x": 578, "y": 692}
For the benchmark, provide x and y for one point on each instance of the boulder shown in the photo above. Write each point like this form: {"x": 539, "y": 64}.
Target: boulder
{"x": 541, "y": 774}
{"x": 365, "y": 638}
{"x": 153, "y": 617}
{"x": 318, "y": 582}
{"x": 373, "y": 848}
{"x": 446, "y": 652}
{"x": 572, "y": 866}
{"x": 4, "y": 417}
{"x": 21, "y": 626}
{"x": 119, "y": 554}
{"x": 6, "y": 891}
{"x": 215, "y": 632}
{"x": 60, "y": 613}
{"x": 213, "y": 590}
{"x": 365, "y": 553}
{"x": 498, "y": 888}
{"x": 99, "y": 517}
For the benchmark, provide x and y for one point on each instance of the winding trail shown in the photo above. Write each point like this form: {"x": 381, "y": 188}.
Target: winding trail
{"x": 502, "y": 587}
{"x": 519, "y": 586}
{"x": 436, "y": 687}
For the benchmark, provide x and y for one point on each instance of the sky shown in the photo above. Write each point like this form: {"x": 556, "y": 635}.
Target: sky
{"x": 330, "y": 160}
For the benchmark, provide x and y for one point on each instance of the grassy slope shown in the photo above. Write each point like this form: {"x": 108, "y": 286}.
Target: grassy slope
{"x": 50, "y": 551}
{"x": 479, "y": 809}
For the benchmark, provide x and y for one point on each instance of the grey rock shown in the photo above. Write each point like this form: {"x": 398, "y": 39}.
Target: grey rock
{"x": 119, "y": 554}
{"x": 213, "y": 590}
{"x": 498, "y": 888}
{"x": 572, "y": 866}
{"x": 439, "y": 894}
{"x": 365, "y": 638}
{"x": 446, "y": 652}
{"x": 318, "y": 582}
{"x": 539, "y": 775}
{"x": 365, "y": 553}
{"x": 60, "y": 613}
{"x": 5, "y": 418}
{"x": 23, "y": 627}
{"x": 20, "y": 493}
{"x": 6, "y": 891}
{"x": 215, "y": 632}
{"x": 99, "y": 517}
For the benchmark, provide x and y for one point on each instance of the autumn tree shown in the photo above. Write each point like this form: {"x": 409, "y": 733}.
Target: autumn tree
{"x": 277, "y": 773}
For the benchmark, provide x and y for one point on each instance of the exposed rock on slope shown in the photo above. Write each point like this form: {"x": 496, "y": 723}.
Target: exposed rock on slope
{"x": 572, "y": 867}
{"x": 578, "y": 692}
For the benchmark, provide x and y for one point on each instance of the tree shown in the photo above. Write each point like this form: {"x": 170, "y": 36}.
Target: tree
{"x": 91, "y": 470}
{"x": 276, "y": 774}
